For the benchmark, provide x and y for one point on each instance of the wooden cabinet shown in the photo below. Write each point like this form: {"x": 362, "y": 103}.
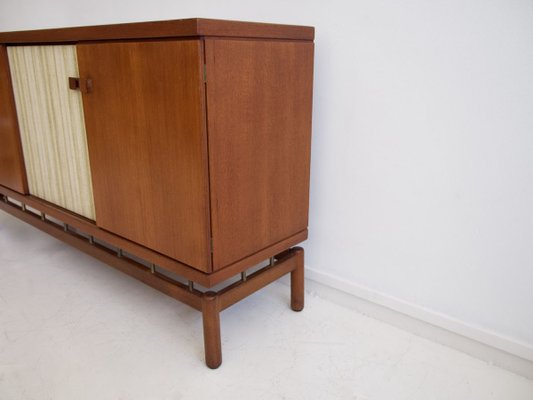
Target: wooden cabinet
{"x": 163, "y": 148}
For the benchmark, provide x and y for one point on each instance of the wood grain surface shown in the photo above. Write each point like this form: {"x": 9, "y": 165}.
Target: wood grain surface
{"x": 51, "y": 125}
{"x": 147, "y": 144}
{"x": 12, "y": 170}
{"x": 259, "y": 97}
{"x": 159, "y": 29}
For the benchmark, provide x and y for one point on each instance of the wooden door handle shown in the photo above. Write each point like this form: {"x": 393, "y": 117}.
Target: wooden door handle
{"x": 74, "y": 83}
{"x": 83, "y": 85}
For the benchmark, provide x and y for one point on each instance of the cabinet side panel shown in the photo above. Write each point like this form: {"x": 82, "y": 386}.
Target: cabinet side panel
{"x": 12, "y": 172}
{"x": 52, "y": 128}
{"x": 259, "y": 101}
{"x": 147, "y": 144}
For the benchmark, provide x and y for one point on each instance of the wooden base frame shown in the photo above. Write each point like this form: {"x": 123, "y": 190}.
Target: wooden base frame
{"x": 210, "y": 303}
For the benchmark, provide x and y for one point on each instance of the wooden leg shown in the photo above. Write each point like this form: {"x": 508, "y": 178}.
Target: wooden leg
{"x": 297, "y": 282}
{"x": 211, "y": 319}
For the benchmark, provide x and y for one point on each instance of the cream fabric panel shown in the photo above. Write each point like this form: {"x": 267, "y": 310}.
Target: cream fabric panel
{"x": 52, "y": 126}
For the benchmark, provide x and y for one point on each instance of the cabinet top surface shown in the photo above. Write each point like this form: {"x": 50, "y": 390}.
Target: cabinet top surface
{"x": 193, "y": 27}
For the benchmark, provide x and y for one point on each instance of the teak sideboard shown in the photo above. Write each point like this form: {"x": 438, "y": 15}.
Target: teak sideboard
{"x": 175, "y": 151}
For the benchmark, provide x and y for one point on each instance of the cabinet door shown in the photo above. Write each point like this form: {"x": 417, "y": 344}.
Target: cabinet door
{"x": 144, "y": 114}
{"x": 12, "y": 173}
{"x": 51, "y": 126}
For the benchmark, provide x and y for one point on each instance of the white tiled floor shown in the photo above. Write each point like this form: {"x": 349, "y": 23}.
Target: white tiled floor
{"x": 72, "y": 328}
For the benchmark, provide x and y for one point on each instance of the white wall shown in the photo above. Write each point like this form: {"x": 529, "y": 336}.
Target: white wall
{"x": 422, "y": 168}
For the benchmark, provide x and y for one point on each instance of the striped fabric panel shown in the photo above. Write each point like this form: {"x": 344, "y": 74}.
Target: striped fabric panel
{"x": 52, "y": 126}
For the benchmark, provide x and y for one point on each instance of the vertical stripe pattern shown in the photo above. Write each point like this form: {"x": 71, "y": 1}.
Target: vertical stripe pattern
{"x": 52, "y": 126}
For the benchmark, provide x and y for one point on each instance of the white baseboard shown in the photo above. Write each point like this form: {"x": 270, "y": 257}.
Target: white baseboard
{"x": 488, "y": 346}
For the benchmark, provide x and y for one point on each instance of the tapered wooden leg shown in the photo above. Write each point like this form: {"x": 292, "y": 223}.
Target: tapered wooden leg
{"x": 211, "y": 319}
{"x": 297, "y": 282}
